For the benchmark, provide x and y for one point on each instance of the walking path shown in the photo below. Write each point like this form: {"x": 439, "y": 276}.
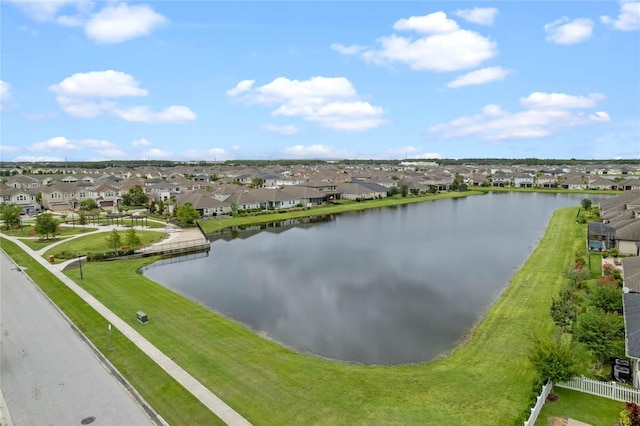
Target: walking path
{"x": 197, "y": 389}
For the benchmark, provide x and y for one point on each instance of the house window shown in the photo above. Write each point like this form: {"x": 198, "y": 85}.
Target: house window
{"x": 21, "y": 198}
{"x": 83, "y": 194}
{"x": 56, "y": 195}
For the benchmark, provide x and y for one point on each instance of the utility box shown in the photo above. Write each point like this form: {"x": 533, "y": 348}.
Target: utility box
{"x": 621, "y": 373}
{"x": 142, "y": 317}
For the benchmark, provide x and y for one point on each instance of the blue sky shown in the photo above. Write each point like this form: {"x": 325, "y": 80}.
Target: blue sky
{"x": 209, "y": 80}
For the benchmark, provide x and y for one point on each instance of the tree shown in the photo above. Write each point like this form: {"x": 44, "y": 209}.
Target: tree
{"x": 257, "y": 182}
{"x": 393, "y": 190}
{"x": 131, "y": 238}
{"x": 113, "y": 240}
{"x": 563, "y": 310}
{"x": 135, "y": 196}
{"x": 557, "y": 360}
{"x": 607, "y": 298}
{"x": 10, "y": 214}
{"x": 576, "y": 274}
{"x": 404, "y": 190}
{"x": 82, "y": 219}
{"x": 46, "y": 224}
{"x": 88, "y": 204}
{"x": 586, "y": 204}
{"x": 187, "y": 214}
{"x": 603, "y": 334}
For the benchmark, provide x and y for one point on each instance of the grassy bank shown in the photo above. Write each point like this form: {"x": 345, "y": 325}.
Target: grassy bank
{"x": 212, "y": 225}
{"x": 488, "y": 381}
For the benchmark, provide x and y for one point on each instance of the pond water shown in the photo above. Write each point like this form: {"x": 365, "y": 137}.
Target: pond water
{"x": 384, "y": 286}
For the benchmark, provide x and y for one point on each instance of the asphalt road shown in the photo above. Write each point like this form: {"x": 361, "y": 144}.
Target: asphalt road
{"x": 48, "y": 374}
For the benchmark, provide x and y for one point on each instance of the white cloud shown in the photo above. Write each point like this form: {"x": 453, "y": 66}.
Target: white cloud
{"x": 43, "y": 11}
{"x": 542, "y": 100}
{"x": 427, "y": 156}
{"x": 628, "y": 19}
{"x": 331, "y": 102}
{"x": 5, "y": 94}
{"x": 283, "y": 130}
{"x": 478, "y": 15}
{"x": 546, "y": 114}
{"x": 115, "y": 23}
{"x": 441, "y": 45}
{"x": 434, "y": 23}
{"x": 32, "y": 159}
{"x": 478, "y": 77}
{"x": 563, "y": 31}
{"x": 311, "y": 151}
{"x": 81, "y": 95}
{"x": 156, "y": 154}
{"x": 347, "y": 50}
{"x": 142, "y": 114}
{"x": 95, "y": 144}
{"x": 141, "y": 142}
{"x": 118, "y": 23}
{"x": 105, "y": 84}
{"x": 58, "y": 143}
{"x": 83, "y": 108}
{"x": 243, "y": 86}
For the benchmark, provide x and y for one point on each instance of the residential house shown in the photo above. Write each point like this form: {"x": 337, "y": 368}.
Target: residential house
{"x": 629, "y": 184}
{"x": 574, "y": 182}
{"x": 23, "y": 197}
{"x": 106, "y": 196}
{"x": 500, "y": 180}
{"x": 359, "y": 190}
{"x": 602, "y": 184}
{"x": 523, "y": 181}
{"x": 546, "y": 181}
{"x": 23, "y": 181}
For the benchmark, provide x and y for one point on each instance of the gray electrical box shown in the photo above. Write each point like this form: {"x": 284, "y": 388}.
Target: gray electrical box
{"x": 142, "y": 317}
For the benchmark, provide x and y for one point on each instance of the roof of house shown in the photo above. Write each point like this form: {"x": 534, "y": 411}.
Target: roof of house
{"x": 631, "y": 273}
{"x": 631, "y": 307}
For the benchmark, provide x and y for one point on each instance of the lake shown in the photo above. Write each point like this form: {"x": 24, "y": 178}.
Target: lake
{"x": 383, "y": 286}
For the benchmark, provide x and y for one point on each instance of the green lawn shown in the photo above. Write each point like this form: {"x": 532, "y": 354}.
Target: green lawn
{"x": 584, "y": 407}
{"x": 486, "y": 382}
{"x": 156, "y": 386}
{"x": 96, "y": 243}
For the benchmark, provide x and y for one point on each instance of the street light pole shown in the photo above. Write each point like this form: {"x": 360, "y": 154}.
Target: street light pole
{"x": 80, "y": 263}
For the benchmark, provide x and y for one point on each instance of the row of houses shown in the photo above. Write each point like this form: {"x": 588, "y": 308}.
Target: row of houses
{"x": 218, "y": 190}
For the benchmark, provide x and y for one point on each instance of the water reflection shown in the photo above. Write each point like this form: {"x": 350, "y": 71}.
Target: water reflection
{"x": 383, "y": 286}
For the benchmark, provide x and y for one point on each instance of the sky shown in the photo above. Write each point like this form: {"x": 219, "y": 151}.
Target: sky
{"x": 216, "y": 81}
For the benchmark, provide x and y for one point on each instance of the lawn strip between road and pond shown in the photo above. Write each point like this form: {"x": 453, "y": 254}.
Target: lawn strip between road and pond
{"x": 488, "y": 380}
{"x": 161, "y": 391}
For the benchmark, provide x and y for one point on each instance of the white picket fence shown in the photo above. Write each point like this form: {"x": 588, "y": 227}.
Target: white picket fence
{"x": 546, "y": 390}
{"x": 611, "y": 390}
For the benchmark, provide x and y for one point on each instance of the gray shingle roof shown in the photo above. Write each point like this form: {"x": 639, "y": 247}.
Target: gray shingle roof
{"x": 631, "y": 304}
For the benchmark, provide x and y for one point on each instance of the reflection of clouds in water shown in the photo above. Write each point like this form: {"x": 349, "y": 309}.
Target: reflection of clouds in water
{"x": 384, "y": 286}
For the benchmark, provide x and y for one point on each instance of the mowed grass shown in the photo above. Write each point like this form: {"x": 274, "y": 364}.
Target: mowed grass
{"x": 174, "y": 403}
{"x": 97, "y": 243}
{"x": 485, "y": 382}
{"x": 586, "y": 408}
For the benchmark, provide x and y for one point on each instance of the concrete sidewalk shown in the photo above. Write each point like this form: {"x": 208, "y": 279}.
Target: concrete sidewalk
{"x": 197, "y": 389}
